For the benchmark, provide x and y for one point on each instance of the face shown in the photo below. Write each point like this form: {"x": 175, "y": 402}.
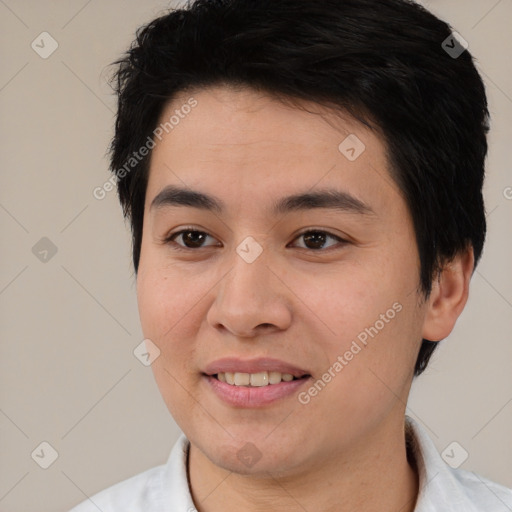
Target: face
{"x": 250, "y": 282}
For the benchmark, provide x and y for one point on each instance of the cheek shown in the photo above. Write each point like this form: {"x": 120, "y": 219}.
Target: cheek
{"x": 342, "y": 302}
{"x": 379, "y": 359}
{"x": 167, "y": 299}
{"x": 169, "y": 306}
{"x": 372, "y": 322}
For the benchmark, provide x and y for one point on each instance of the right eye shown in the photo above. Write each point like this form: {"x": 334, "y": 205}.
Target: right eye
{"x": 190, "y": 239}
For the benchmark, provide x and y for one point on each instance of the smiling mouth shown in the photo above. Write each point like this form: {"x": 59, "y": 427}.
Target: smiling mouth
{"x": 259, "y": 379}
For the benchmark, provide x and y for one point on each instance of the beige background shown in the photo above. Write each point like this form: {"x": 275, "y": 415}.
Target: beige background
{"x": 69, "y": 326}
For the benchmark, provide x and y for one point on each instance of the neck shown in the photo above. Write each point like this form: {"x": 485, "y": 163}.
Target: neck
{"x": 374, "y": 476}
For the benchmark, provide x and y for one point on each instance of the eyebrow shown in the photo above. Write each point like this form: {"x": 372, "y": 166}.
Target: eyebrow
{"x": 324, "y": 198}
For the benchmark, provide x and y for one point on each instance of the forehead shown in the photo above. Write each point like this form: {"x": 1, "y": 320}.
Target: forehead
{"x": 243, "y": 142}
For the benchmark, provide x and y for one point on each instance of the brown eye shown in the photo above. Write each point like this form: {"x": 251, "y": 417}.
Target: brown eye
{"x": 190, "y": 238}
{"x": 316, "y": 239}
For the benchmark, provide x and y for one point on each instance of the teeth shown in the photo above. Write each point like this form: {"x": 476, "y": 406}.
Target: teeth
{"x": 274, "y": 377}
{"x": 242, "y": 379}
{"x": 259, "y": 379}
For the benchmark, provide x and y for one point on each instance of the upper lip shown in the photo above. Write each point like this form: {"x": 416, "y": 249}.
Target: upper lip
{"x": 265, "y": 364}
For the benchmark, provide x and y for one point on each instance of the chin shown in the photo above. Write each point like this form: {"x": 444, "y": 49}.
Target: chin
{"x": 254, "y": 453}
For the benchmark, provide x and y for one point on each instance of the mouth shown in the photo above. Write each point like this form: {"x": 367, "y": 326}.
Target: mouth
{"x": 243, "y": 394}
{"x": 256, "y": 380}
{"x": 254, "y": 383}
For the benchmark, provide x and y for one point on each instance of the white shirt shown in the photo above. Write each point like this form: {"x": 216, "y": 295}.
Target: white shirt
{"x": 441, "y": 489}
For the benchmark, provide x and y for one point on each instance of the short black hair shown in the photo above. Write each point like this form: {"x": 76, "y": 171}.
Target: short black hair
{"x": 385, "y": 62}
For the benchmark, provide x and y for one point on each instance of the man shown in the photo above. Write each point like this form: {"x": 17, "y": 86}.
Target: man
{"x": 304, "y": 184}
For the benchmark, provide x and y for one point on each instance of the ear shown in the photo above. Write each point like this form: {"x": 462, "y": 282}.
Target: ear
{"x": 449, "y": 296}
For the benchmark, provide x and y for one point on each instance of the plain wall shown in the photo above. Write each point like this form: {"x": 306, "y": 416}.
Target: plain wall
{"x": 69, "y": 325}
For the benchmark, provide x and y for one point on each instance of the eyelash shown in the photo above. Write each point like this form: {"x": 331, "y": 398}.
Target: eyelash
{"x": 175, "y": 246}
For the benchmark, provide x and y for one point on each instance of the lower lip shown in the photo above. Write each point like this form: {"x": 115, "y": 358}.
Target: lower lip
{"x": 244, "y": 396}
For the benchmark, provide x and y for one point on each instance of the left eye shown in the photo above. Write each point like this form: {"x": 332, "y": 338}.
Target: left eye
{"x": 316, "y": 239}
{"x": 192, "y": 239}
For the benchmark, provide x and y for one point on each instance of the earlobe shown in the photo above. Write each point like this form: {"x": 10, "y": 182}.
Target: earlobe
{"x": 449, "y": 295}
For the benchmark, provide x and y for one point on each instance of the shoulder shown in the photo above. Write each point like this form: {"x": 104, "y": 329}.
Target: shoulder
{"x": 149, "y": 491}
{"x": 124, "y": 495}
{"x": 483, "y": 493}
{"x": 442, "y": 485}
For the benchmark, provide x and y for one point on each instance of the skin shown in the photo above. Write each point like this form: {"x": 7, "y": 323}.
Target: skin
{"x": 345, "y": 449}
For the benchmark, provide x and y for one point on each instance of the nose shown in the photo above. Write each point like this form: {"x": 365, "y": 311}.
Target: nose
{"x": 251, "y": 299}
